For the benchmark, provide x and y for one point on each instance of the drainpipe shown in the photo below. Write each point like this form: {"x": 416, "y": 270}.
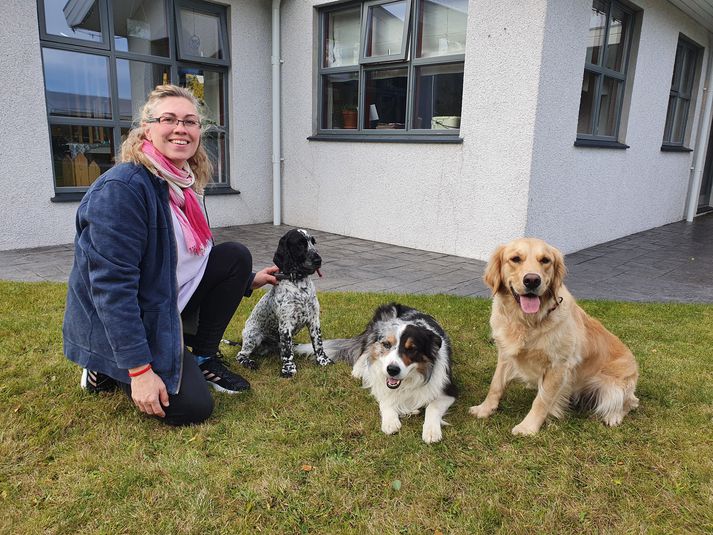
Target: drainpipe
{"x": 702, "y": 141}
{"x": 276, "y": 148}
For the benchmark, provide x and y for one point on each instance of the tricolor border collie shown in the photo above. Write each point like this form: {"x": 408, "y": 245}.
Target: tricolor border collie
{"x": 404, "y": 358}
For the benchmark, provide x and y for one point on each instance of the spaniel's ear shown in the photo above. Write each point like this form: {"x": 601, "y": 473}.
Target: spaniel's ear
{"x": 493, "y": 271}
{"x": 282, "y": 255}
{"x": 559, "y": 268}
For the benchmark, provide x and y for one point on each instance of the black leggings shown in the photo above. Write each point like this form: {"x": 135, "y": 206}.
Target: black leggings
{"x": 218, "y": 295}
{"x": 215, "y": 300}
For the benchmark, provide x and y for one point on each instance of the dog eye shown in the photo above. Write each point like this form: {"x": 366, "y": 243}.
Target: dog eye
{"x": 314, "y": 242}
{"x": 386, "y": 344}
{"x": 515, "y": 259}
{"x": 545, "y": 260}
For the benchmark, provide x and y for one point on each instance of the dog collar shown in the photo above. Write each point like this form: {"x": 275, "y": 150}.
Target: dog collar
{"x": 558, "y": 302}
{"x": 292, "y": 277}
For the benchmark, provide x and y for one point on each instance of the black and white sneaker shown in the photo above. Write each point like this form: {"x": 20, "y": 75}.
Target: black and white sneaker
{"x": 221, "y": 378}
{"x": 95, "y": 382}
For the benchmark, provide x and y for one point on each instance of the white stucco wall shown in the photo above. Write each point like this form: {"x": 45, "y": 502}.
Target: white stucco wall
{"x": 456, "y": 199}
{"x": 583, "y": 196}
{"x": 30, "y": 219}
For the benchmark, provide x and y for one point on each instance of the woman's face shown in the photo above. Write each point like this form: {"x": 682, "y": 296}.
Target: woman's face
{"x": 176, "y": 142}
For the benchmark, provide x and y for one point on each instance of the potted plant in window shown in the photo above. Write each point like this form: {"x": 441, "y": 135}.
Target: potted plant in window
{"x": 349, "y": 117}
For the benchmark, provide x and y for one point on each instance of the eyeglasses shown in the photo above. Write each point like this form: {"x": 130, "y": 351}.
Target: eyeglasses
{"x": 173, "y": 121}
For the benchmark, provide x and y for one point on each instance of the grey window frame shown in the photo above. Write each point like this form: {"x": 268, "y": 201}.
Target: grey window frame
{"x": 401, "y": 56}
{"x": 116, "y": 124}
{"x": 601, "y": 71}
{"x": 679, "y": 93}
{"x": 407, "y": 134}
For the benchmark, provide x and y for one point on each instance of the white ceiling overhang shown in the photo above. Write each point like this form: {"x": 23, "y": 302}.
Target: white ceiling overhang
{"x": 699, "y": 10}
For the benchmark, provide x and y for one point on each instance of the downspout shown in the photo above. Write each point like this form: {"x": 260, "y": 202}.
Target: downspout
{"x": 276, "y": 127}
{"x": 702, "y": 141}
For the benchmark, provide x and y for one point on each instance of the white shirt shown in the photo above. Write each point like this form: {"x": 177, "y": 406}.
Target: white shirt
{"x": 190, "y": 267}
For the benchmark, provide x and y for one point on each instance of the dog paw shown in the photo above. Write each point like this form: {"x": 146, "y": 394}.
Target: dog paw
{"x": 612, "y": 420}
{"x": 481, "y": 411}
{"x": 390, "y": 427}
{"x": 324, "y": 361}
{"x": 248, "y": 362}
{"x": 432, "y": 434}
{"x": 523, "y": 429}
{"x": 288, "y": 370}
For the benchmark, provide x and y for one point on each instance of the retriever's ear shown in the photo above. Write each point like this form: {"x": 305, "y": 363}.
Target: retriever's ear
{"x": 559, "y": 268}
{"x": 493, "y": 271}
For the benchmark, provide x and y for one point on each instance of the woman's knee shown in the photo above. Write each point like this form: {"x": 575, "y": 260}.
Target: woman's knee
{"x": 236, "y": 254}
{"x": 197, "y": 411}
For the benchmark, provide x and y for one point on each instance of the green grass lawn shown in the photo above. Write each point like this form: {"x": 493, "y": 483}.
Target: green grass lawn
{"x": 307, "y": 455}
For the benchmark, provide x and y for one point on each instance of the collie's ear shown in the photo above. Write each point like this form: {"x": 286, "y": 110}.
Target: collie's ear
{"x": 559, "y": 268}
{"x": 436, "y": 343}
{"x": 493, "y": 271}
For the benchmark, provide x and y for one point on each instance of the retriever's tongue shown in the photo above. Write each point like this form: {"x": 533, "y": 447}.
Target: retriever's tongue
{"x": 529, "y": 303}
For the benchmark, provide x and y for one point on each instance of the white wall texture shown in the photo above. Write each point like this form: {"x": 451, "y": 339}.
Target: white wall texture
{"x": 583, "y": 196}
{"x": 30, "y": 219}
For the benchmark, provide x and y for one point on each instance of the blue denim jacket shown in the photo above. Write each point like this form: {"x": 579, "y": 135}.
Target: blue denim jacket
{"x": 122, "y": 299}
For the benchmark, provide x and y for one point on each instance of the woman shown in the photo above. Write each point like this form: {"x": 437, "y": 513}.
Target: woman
{"x": 145, "y": 264}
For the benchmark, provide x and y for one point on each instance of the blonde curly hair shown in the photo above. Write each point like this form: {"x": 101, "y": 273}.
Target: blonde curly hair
{"x": 131, "y": 147}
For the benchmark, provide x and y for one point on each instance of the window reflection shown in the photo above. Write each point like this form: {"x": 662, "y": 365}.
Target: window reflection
{"x": 135, "y": 80}
{"x": 207, "y": 86}
{"x": 443, "y": 26}
{"x": 81, "y": 153}
{"x": 385, "y": 29}
{"x": 200, "y": 34}
{"x": 339, "y": 100}
{"x": 76, "y": 84}
{"x": 341, "y": 32}
{"x": 140, "y": 27}
{"x": 385, "y": 99}
{"x": 438, "y": 97}
{"x": 74, "y": 19}
{"x": 597, "y": 31}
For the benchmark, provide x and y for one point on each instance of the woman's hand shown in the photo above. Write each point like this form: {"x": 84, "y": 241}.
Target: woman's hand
{"x": 265, "y": 276}
{"x": 149, "y": 393}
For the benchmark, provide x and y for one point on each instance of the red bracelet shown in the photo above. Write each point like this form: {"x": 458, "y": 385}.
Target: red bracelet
{"x": 141, "y": 371}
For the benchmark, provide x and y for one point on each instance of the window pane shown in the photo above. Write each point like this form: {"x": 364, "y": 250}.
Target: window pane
{"x": 688, "y": 68}
{"x": 609, "y": 98}
{"x": 616, "y": 43}
{"x": 438, "y": 97}
{"x": 385, "y": 99}
{"x": 342, "y": 37}
{"x": 385, "y": 29}
{"x": 676, "y": 77}
{"x": 586, "y": 104}
{"x": 200, "y": 34}
{"x": 339, "y": 100}
{"x": 77, "y": 19}
{"x": 207, "y": 86}
{"x": 214, "y": 144}
{"x": 442, "y": 27}
{"x": 678, "y": 127}
{"x": 77, "y": 84}
{"x": 135, "y": 80}
{"x": 597, "y": 30}
{"x": 140, "y": 26}
{"x": 80, "y": 154}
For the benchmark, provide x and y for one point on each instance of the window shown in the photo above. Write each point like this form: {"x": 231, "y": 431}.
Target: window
{"x": 610, "y": 29}
{"x": 101, "y": 58}
{"x": 392, "y": 68}
{"x": 679, "y": 101}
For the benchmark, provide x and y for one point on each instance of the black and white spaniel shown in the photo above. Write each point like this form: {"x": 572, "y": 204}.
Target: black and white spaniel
{"x": 288, "y": 307}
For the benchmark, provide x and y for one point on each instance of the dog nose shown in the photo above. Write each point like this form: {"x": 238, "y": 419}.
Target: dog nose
{"x": 393, "y": 370}
{"x": 531, "y": 281}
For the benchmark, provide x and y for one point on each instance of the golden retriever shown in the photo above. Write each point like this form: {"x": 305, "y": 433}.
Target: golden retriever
{"x": 546, "y": 340}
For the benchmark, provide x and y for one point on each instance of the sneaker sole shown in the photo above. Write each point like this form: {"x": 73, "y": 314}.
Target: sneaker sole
{"x": 225, "y": 390}
{"x": 85, "y": 379}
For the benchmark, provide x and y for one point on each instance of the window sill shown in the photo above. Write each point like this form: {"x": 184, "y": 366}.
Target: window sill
{"x": 222, "y": 189}
{"x": 600, "y": 144}
{"x": 675, "y": 148}
{"x": 369, "y": 138}
{"x": 74, "y": 196}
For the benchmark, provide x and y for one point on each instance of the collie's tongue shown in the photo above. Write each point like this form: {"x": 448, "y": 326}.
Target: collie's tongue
{"x": 529, "y": 303}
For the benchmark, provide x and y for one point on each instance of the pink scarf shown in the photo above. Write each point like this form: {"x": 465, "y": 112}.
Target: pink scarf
{"x": 183, "y": 200}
